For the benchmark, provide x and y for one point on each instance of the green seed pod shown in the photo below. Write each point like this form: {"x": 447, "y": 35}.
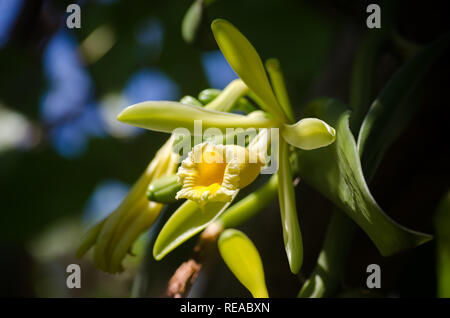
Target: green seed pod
{"x": 163, "y": 190}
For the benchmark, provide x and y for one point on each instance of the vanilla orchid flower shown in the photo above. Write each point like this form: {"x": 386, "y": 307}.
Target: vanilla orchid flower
{"x": 217, "y": 172}
{"x": 211, "y": 183}
{"x": 211, "y": 175}
{"x": 112, "y": 238}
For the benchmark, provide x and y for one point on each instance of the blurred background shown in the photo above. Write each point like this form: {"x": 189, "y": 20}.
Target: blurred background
{"x": 65, "y": 162}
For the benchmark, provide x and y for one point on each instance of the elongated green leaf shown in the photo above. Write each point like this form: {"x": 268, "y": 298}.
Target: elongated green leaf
{"x": 243, "y": 259}
{"x": 442, "y": 225}
{"x": 389, "y": 107}
{"x": 309, "y": 133}
{"x": 291, "y": 230}
{"x": 188, "y": 220}
{"x": 247, "y": 64}
{"x": 336, "y": 172}
{"x": 361, "y": 92}
{"x": 324, "y": 279}
{"x": 166, "y": 116}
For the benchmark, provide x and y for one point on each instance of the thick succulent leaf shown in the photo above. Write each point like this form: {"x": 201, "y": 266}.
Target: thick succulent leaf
{"x": 289, "y": 219}
{"x": 167, "y": 116}
{"x": 247, "y": 64}
{"x": 336, "y": 172}
{"x": 309, "y": 133}
{"x": 390, "y": 107}
{"x": 188, "y": 220}
{"x": 244, "y": 261}
{"x": 324, "y": 280}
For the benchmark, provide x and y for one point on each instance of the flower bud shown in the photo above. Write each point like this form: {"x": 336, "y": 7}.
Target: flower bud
{"x": 163, "y": 190}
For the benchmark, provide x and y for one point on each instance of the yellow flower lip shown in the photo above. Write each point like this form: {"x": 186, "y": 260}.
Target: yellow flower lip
{"x": 217, "y": 172}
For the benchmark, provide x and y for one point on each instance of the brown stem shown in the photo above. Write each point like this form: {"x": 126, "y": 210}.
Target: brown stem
{"x": 184, "y": 277}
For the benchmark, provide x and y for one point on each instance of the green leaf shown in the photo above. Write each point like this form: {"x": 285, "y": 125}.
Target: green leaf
{"x": 336, "y": 172}
{"x": 247, "y": 64}
{"x": 188, "y": 220}
{"x": 390, "y": 107}
{"x": 442, "y": 226}
{"x": 324, "y": 279}
{"x": 289, "y": 219}
{"x": 166, "y": 116}
{"x": 309, "y": 133}
{"x": 361, "y": 93}
{"x": 244, "y": 261}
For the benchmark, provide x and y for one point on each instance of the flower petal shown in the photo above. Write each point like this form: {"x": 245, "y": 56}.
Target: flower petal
{"x": 247, "y": 64}
{"x": 113, "y": 237}
{"x": 166, "y": 116}
{"x": 291, "y": 230}
{"x": 216, "y": 172}
{"x": 276, "y": 78}
{"x": 188, "y": 220}
{"x": 309, "y": 133}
